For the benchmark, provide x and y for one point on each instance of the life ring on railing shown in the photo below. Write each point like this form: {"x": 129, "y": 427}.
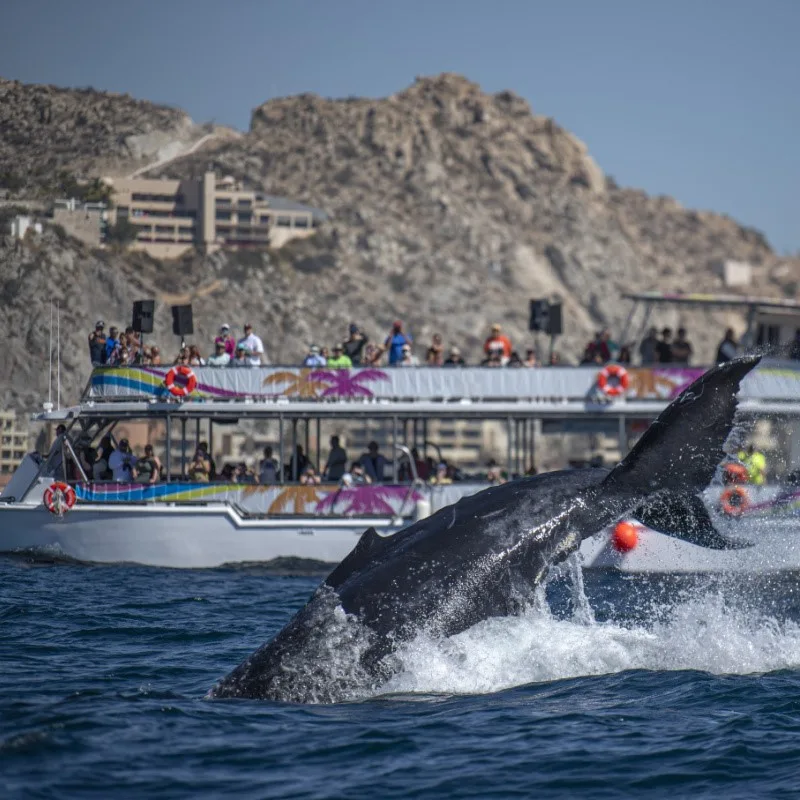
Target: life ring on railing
{"x": 613, "y": 380}
{"x": 184, "y": 387}
{"x": 734, "y": 501}
{"x": 59, "y": 498}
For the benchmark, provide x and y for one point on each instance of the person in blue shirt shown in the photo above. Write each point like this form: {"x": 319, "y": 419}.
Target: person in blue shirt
{"x": 395, "y": 341}
{"x": 314, "y": 358}
{"x": 112, "y": 346}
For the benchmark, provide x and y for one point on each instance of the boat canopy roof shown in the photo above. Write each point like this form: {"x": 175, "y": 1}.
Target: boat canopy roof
{"x": 481, "y": 392}
{"x": 698, "y": 299}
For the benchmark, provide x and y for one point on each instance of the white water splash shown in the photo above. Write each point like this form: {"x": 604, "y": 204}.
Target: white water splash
{"x": 703, "y": 632}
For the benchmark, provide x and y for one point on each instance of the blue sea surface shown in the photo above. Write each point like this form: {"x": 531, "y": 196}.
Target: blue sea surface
{"x": 659, "y": 688}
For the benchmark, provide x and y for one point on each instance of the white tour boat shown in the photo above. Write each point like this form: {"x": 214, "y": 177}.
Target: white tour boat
{"x": 51, "y": 507}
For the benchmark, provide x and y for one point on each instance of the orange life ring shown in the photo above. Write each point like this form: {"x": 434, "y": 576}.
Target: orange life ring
{"x": 734, "y": 501}
{"x": 59, "y": 498}
{"x": 613, "y": 380}
{"x": 735, "y": 473}
{"x": 184, "y": 387}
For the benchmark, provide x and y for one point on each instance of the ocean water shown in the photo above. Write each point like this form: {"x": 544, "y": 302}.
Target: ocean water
{"x": 661, "y": 688}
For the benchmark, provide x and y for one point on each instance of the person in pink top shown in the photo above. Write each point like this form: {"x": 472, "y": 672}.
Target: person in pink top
{"x": 227, "y": 341}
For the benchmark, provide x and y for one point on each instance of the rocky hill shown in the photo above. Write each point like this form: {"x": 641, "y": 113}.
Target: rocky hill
{"x": 46, "y": 130}
{"x": 449, "y": 208}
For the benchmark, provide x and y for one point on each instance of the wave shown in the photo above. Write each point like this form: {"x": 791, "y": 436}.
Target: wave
{"x": 705, "y": 630}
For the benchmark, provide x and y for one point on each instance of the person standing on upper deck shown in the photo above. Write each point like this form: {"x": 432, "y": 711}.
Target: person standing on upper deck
{"x": 226, "y": 339}
{"x": 498, "y": 342}
{"x": 395, "y": 341}
{"x": 252, "y": 345}
{"x": 648, "y": 351}
{"x": 682, "y": 349}
{"x": 97, "y": 344}
{"x": 354, "y": 344}
{"x": 664, "y": 347}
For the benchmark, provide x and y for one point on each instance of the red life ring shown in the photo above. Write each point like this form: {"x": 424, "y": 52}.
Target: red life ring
{"x": 734, "y": 501}
{"x": 59, "y": 498}
{"x": 183, "y": 387}
{"x": 613, "y": 380}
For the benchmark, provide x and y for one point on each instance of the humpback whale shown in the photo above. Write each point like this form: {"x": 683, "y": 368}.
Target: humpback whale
{"x": 484, "y": 555}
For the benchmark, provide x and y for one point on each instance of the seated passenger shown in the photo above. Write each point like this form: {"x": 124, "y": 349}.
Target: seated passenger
{"x": 374, "y": 463}
{"x": 356, "y": 477}
{"x": 441, "y": 478}
{"x": 243, "y": 474}
{"x": 199, "y": 469}
{"x": 212, "y": 472}
{"x": 268, "y": 468}
{"x": 148, "y": 468}
{"x": 309, "y": 476}
{"x": 122, "y": 462}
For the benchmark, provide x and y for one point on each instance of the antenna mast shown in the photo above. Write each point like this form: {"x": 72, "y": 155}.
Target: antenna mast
{"x": 58, "y": 354}
{"x": 50, "y": 361}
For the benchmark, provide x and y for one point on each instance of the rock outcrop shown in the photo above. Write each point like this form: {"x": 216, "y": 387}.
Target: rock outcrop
{"x": 45, "y": 130}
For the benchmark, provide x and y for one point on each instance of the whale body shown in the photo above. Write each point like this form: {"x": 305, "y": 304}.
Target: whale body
{"x": 485, "y": 555}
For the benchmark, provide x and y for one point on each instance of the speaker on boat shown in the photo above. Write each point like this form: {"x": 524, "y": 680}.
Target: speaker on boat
{"x": 554, "y": 324}
{"x": 546, "y": 317}
{"x": 182, "y": 323}
{"x": 540, "y": 310}
{"x": 143, "y": 311}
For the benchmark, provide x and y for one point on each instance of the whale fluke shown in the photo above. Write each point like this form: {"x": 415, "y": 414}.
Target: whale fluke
{"x": 683, "y": 447}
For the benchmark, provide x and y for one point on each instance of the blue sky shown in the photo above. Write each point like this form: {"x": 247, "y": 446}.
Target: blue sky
{"x": 697, "y": 99}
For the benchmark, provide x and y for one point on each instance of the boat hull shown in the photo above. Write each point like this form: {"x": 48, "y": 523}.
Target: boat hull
{"x": 211, "y": 536}
{"x": 177, "y": 537}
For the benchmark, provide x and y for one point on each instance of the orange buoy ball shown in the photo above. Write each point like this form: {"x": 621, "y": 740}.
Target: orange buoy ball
{"x": 625, "y": 537}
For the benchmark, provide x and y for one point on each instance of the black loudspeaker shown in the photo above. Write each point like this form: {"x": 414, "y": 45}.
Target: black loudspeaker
{"x": 540, "y": 311}
{"x": 554, "y": 323}
{"x": 143, "y": 311}
{"x": 182, "y": 324}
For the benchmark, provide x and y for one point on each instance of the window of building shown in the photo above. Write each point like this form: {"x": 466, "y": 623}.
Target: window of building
{"x": 264, "y": 220}
{"x": 223, "y": 215}
{"x": 122, "y": 211}
{"x": 245, "y": 219}
{"x": 301, "y": 222}
{"x": 245, "y": 203}
{"x": 165, "y": 229}
{"x": 223, "y": 202}
{"x": 284, "y": 222}
{"x": 156, "y": 198}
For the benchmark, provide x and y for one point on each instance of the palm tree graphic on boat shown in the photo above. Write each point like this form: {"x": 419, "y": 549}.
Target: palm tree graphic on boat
{"x": 367, "y": 500}
{"x": 311, "y": 383}
{"x": 298, "y": 384}
{"x": 347, "y": 383}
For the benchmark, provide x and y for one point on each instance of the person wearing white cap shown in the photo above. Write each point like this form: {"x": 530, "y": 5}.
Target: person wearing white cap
{"x": 314, "y": 358}
{"x": 228, "y": 342}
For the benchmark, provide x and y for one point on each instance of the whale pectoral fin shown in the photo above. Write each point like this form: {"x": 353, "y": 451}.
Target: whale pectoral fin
{"x": 683, "y": 447}
{"x": 365, "y": 552}
{"x": 685, "y": 517}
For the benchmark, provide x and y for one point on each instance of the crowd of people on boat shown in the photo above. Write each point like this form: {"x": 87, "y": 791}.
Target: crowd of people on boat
{"x": 117, "y": 462}
{"x": 397, "y": 349}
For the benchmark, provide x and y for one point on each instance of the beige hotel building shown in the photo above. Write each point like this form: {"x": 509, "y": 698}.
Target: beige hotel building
{"x": 172, "y": 216}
